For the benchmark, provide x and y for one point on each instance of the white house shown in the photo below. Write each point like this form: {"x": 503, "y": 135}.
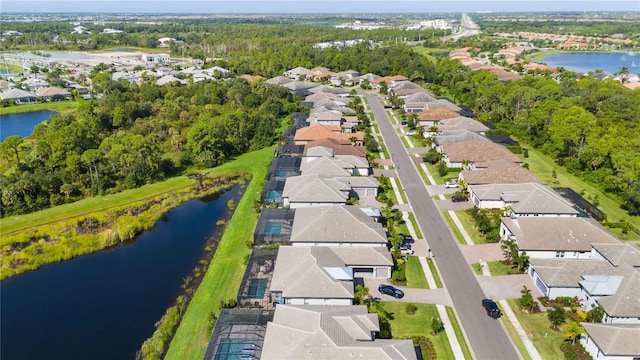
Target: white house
{"x": 528, "y": 199}
{"x": 344, "y": 226}
{"x": 318, "y": 275}
{"x": 313, "y": 190}
{"x": 155, "y": 58}
{"x": 611, "y": 341}
{"x": 554, "y": 237}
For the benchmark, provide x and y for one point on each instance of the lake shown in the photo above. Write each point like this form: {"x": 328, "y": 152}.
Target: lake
{"x": 585, "y": 62}
{"x": 104, "y": 305}
{"x": 23, "y": 123}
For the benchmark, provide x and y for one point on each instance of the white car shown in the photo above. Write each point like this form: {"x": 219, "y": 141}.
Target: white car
{"x": 451, "y": 184}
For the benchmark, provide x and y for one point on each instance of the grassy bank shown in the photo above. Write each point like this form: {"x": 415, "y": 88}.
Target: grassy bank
{"x": 537, "y": 326}
{"x": 543, "y": 166}
{"x": 12, "y": 68}
{"x": 541, "y": 54}
{"x": 57, "y": 106}
{"x": 225, "y": 272}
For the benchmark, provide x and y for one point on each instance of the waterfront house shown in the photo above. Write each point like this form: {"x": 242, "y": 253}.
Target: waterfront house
{"x": 18, "y": 96}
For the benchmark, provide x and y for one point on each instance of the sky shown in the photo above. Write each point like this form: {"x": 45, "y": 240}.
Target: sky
{"x": 310, "y": 6}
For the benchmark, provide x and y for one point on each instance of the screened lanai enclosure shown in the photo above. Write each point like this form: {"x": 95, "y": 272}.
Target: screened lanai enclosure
{"x": 238, "y": 334}
{"x": 274, "y": 226}
{"x": 254, "y": 289}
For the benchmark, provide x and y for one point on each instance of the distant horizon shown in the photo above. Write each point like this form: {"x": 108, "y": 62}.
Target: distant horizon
{"x": 309, "y": 7}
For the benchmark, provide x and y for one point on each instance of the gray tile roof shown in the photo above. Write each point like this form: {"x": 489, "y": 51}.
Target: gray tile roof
{"x": 313, "y": 188}
{"x": 619, "y": 254}
{"x": 359, "y": 182}
{"x": 326, "y": 167}
{"x": 568, "y": 272}
{"x": 512, "y": 174}
{"x": 300, "y": 274}
{"x": 461, "y": 122}
{"x": 329, "y": 332}
{"x": 626, "y": 301}
{"x": 557, "y": 233}
{"x": 420, "y": 97}
{"x": 615, "y": 339}
{"x": 478, "y": 151}
{"x": 455, "y": 136}
{"x": 526, "y": 198}
{"x": 443, "y": 104}
{"x": 336, "y": 224}
{"x": 16, "y": 94}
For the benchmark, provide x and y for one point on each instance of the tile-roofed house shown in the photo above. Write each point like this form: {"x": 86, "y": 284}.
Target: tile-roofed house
{"x": 361, "y": 186}
{"x": 443, "y": 104}
{"x": 327, "y": 167}
{"x": 428, "y": 118}
{"x": 414, "y": 107}
{"x": 326, "y": 118}
{"x": 336, "y": 226}
{"x": 623, "y": 306}
{"x": 476, "y": 152}
{"x": 611, "y": 341}
{"x": 617, "y": 254}
{"x": 19, "y": 96}
{"x": 53, "y": 93}
{"x": 561, "y": 277}
{"x": 389, "y": 80}
{"x": 329, "y": 332}
{"x": 313, "y": 190}
{"x": 6, "y": 85}
{"x": 336, "y": 146}
{"x": 420, "y": 97}
{"x": 554, "y": 237}
{"x": 34, "y": 83}
{"x": 323, "y": 275}
{"x": 168, "y": 79}
{"x": 329, "y": 89}
{"x": 319, "y": 73}
{"x": 279, "y": 80}
{"x": 297, "y": 73}
{"x": 499, "y": 172}
{"x": 320, "y": 96}
{"x": 403, "y": 85}
{"x": 528, "y": 199}
{"x": 406, "y": 92}
{"x": 461, "y": 123}
{"x": 217, "y": 69}
{"x": 318, "y": 132}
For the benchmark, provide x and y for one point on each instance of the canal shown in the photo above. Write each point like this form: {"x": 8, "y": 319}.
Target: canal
{"x": 104, "y": 305}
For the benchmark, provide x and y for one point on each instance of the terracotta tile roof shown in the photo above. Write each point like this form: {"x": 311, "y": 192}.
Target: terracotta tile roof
{"x": 500, "y": 175}
{"x": 390, "y": 79}
{"x": 317, "y": 132}
{"x": 51, "y": 91}
{"x": 478, "y": 151}
{"x": 436, "y": 114}
{"x": 633, "y": 85}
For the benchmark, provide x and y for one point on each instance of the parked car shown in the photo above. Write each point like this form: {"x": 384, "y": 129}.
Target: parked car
{"x": 407, "y": 239}
{"x": 406, "y": 251}
{"x": 451, "y": 184}
{"x": 492, "y": 308}
{"x": 459, "y": 198}
{"x": 391, "y": 291}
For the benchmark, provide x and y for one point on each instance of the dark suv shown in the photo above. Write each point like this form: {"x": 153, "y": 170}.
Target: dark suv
{"x": 459, "y": 198}
{"x": 492, "y": 308}
{"x": 390, "y": 290}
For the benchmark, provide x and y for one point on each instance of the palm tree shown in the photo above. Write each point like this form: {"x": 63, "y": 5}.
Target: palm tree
{"x": 572, "y": 331}
{"x": 362, "y": 294}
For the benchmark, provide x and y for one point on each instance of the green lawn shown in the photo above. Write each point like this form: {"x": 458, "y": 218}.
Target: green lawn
{"x": 425, "y": 51}
{"x": 458, "y": 331}
{"x": 400, "y": 190}
{"x": 543, "y": 166}
{"x": 441, "y": 179}
{"x": 476, "y": 268}
{"x": 467, "y": 222}
{"x": 405, "y": 326}
{"x": 515, "y": 337}
{"x": 56, "y": 106}
{"x": 11, "y": 68}
{"x": 222, "y": 280}
{"x": 496, "y": 268}
{"x": 416, "y": 228}
{"x": 453, "y": 228}
{"x": 414, "y": 273}
{"x": 537, "y": 326}
{"x": 423, "y": 175}
{"x": 12, "y": 224}
{"x": 434, "y": 272}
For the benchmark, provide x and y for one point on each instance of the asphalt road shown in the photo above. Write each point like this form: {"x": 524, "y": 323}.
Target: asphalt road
{"x": 487, "y": 338}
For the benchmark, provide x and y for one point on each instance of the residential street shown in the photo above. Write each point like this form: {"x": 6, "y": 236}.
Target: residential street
{"x": 486, "y": 336}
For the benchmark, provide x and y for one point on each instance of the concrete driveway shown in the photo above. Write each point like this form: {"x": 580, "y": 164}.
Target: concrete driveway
{"x": 429, "y": 296}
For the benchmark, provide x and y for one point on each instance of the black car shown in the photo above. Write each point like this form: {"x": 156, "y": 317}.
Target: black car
{"x": 407, "y": 239}
{"x": 459, "y": 198}
{"x": 492, "y": 308}
{"x": 390, "y": 290}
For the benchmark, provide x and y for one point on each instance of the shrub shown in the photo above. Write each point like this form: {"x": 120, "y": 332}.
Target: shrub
{"x": 442, "y": 169}
{"x": 410, "y": 308}
{"x": 436, "y": 325}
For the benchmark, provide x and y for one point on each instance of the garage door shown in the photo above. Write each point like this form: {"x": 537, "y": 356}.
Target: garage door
{"x": 363, "y": 273}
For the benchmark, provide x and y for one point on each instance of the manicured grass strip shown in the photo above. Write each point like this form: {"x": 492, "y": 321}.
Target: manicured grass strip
{"x": 12, "y": 224}
{"x": 476, "y": 268}
{"x": 497, "y": 268}
{"x": 56, "y": 106}
{"x": 515, "y": 338}
{"x": 392, "y": 195}
{"x": 414, "y": 273}
{"x": 400, "y": 190}
{"x": 423, "y": 175}
{"x": 404, "y": 141}
{"x": 537, "y": 326}
{"x": 405, "y": 326}
{"x": 453, "y": 228}
{"x": 542, "y": 166}
{"x": 434, "y": 272}
{"x": 416, "y": 228}
{"x": 459, "y": 335}
{"x": 222, "y": 280}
